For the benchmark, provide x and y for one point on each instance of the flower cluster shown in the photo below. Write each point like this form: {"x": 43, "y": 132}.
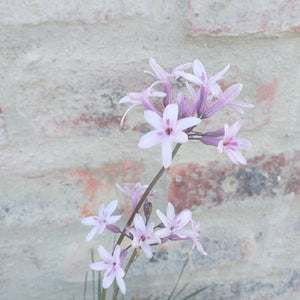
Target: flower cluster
{"x": 176, "y": 123}
{"x": 141, "y": 235}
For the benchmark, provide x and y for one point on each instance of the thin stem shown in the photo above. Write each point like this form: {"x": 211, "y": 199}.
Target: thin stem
{"x": 131, "y": 260}
{"x": 103, "y": 294}
{"x": 143, "y": 198}
{"x": 135, "y": 211}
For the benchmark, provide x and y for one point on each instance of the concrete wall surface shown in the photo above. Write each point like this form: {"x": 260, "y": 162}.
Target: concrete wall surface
{"x": 65, "y": 64}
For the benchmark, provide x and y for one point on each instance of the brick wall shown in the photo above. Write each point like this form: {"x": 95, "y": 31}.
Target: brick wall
{"x": 64, "y": 65}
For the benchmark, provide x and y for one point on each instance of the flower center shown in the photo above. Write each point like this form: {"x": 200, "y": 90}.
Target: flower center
{"x": 168, "y": 131}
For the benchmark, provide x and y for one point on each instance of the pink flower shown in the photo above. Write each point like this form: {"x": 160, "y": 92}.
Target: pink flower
{"x": 200, "y": 78}
{"x": 196, "y": 240}
{"x": 174, "y": 224}
{"x": 161, "y": 74}
{"x": 168, "y": 129}
{"x": 166, "y": 77}
{"x": 103, "y": 220}
{"x": 141, "y": 99}
{"x": 112, "y": 265}
{"x": 135, "y": 193}
{"x": 143, "y": 236}
{"x": 230, "y": 144}
{"x": 227, "y": 99}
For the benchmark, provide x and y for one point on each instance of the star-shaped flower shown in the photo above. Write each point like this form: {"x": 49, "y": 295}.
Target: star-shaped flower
{"x": 174, "y": 224}
{"x": 230, "y": 144}
{"x": 103, "y": 219}
{"x": 168, "y": 129}
{"x": 200, "y": 77}
{"x": 112, "y": 265}
{"x": 141, "y": 99}
{"x": 136, "y": 192}
{"x": 143, "y": 235}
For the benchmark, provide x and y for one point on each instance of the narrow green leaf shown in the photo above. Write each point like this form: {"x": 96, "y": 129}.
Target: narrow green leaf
{"x": 194, "y": 293}
{"x": 85, "y": 283}
{"x": 181, "y": 290}
{"x": 179, "y": 277}
{"x": 93, "y": 273}
{"x": 149, "y": 298}
{"x": 99, "y": 286}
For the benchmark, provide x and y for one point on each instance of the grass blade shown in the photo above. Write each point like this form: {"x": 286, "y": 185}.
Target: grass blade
{"x": 180, "y": 274}
{"x": 181, "y": 290}
{"x": 99, "y": 286}
{"x": 194, "y": 293}
{"x": 85, "y": 283}
{"x": 93, "y": 273}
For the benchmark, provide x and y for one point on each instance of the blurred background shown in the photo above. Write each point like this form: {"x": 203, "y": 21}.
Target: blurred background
{"x": 64, "y": 65}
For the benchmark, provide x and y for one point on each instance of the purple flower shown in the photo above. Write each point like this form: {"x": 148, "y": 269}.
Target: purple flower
{"x": 200, "y": 78}
{"x": 174, "y": 224}
{"x": 196, "y": 240}
{"x": 103, "y": 220}
{"x": 230, "y": 144}
{"x": 141, "y": 99}
{"x": 166, "y": 77}
{"x": 168, "y": 129}
{"x": 135, "y": 193}
{"x": 143, "y": 235}
{"x": 112, "y": 265}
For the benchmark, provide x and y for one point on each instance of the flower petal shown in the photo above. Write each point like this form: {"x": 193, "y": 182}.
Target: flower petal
{"x": 91, "y": 234}
{"x": 106, "y": 256}
{"x": 111, "y": 207}
{"x": 199, "y": 70}
{"x": 153, "y": 119}
{"x": 139, "y": 222}
{"x": 179, "y": 137}
{"x": 234, "y": 128}
{"x": 157, "y": 94}
{"x": 127, "y": 111}
{"x": 99, "y": 266}
{"x": 108, "y": 278}
{"x": 187, "y": 123}
{"x": 162, "y": 217}
{"x": 151, "y": 139}
{"x": 231, "y": 155}
{"x": 243, "y": 144}
{"x": 189, "y": 77}
{"x": 183, "y": 218}
{"x": 170, "y": 212}
{"x": 147, "y": 250}
{"x": 90, "y": 221}
{"x": 221, "y": 73}
{"x": 163, "y": 233}
{"x": 159, "y": 71}
{"x": 166, "y": 153}
{"x": 113, "y": 219}
{"x": 170, "y": 115}
{"x": 120, "y": 282}
{"x": 232, "y": 92}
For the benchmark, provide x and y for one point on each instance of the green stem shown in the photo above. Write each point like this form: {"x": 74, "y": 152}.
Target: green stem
{"x": 143, "y": 198}
{"x": 135, "y": 211}
{"x": 131, "y": 260}
{"x": 103, "y": 294}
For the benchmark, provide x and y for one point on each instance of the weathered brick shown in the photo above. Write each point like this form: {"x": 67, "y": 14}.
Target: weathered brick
{"x": 236, "y": 17}
{"x": 193, "y": 185}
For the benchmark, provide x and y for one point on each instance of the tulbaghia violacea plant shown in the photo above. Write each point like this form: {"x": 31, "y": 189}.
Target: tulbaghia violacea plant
{"x": 177, "y": 123}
